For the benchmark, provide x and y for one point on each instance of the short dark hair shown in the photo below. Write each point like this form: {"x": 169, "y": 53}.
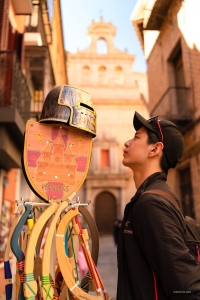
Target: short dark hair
{"x": 153, "y": 139}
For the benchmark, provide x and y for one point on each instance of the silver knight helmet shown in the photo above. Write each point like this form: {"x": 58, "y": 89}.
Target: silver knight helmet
{"x": 71, "y": 106}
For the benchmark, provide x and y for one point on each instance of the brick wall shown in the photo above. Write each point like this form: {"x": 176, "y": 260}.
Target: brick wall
{"x": 180, "y": 26}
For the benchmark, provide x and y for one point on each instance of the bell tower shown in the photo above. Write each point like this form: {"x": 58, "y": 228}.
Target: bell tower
{"x": 101, "y": 31}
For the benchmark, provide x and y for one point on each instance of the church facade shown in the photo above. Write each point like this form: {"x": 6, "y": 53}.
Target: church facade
{"x": 117, "y": 92}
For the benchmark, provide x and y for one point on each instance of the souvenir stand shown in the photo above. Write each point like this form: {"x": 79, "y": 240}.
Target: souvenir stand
{"x": 47, "y": 236}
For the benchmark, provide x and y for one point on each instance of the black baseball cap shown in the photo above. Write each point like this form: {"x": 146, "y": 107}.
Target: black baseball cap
{"x": 172, "y": 137}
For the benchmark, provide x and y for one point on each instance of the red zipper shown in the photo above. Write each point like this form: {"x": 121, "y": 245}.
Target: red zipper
{"x": 198, "y": 253}
{"x": 155, "y": 286}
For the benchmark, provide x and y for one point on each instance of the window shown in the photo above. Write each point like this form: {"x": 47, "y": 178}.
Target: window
{"x": 180, "y": 82}
{"x": 102, "y": 75}
{"x": 119, "y": 77}
{"x": 105, "y": 160}
{"x": 178, "y": 67}
{"x": 85, "y": 74}
{"x": 186, "y": 192}
{"x": 37, "y": 80}
{"x": 101, "y": 46}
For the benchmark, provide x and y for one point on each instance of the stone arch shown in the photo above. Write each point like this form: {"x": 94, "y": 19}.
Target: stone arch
{"x": 102, "y": 46}
{"x": 105, "y": 212}
{"x": 102, "y": 74}
{"x": 119, "y": 76}
{"x": 86, "y": 68}
{"x": 85, "y": 74}
{"x": 102, "y": 69}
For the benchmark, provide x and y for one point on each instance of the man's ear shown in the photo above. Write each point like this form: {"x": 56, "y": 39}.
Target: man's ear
{"x": 156, "y": 149}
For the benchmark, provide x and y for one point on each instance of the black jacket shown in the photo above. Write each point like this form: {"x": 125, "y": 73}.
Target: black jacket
{"x": 152, "y": 238}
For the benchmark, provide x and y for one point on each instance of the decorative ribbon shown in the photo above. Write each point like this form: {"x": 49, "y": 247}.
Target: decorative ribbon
{"x": 17, "y": 251}
{"x": 7, "y": 269}
{"x": 25, "y": 267}
{"x": 30, "y": 284}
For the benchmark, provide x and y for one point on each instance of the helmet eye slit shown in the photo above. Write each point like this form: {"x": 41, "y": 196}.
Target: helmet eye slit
{"x": 86, "y": 106}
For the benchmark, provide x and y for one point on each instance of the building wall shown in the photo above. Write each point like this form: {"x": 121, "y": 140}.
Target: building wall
{"x": 160, "y": 69}
{"x": 28, "y": 44}
{"x": 10, "y": 183}
{"x": 161, "y": 76}
{"x": 177, "y": 32}
{"x": 9, "y": 179}
{"x": 116, "y": 92}
{"x": 57, "y": 50}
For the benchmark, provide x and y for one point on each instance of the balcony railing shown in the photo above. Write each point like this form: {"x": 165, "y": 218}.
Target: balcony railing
{"x": 176, "y": 104}
{"x": 14, "y": 91}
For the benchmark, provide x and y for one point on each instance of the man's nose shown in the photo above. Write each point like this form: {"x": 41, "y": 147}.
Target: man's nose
{"x": 126, "y": 144}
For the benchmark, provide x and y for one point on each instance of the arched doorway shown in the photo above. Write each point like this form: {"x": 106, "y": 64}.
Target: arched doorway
{"x": 105, "y": 212}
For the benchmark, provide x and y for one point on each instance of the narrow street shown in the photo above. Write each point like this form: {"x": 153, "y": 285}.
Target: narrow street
{"x": 107, "y": 264}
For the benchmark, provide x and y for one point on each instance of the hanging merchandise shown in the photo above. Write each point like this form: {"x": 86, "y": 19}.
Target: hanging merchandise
{"x": 48, "y": 236}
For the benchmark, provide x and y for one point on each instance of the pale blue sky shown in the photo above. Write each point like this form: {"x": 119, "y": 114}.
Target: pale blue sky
{"x": 77, "y": 15}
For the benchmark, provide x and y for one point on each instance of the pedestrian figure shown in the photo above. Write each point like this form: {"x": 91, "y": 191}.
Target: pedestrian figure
{"x": 154, "y": 261}
{"x": 116, "y": 229}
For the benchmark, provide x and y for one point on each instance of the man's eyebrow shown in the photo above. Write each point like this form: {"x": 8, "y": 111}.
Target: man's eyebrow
{"x": 137, "y": 132}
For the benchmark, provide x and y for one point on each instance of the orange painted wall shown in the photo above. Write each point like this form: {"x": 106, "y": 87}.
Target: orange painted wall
{"x": 9, "y": 194}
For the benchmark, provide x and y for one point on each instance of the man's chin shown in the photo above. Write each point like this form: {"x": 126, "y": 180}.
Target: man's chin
{"x": 124, "y": 163}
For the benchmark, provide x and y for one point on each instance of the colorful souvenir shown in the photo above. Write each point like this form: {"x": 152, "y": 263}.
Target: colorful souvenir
{"x": 55, "y": 161}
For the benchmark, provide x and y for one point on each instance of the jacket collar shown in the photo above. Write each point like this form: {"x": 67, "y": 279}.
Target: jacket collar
{"x": 155, "y": 176}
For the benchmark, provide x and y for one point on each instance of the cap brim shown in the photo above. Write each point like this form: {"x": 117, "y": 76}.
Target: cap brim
{"x": 139, "y": 121}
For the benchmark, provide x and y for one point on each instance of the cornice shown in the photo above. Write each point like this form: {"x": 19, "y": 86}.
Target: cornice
{"x": 116, "y": 102}
{"x": 92, "y": 177}
{"x": 114, "y": 56}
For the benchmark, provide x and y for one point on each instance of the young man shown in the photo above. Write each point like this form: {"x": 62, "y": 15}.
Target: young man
{"x": 154, "y": 262}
